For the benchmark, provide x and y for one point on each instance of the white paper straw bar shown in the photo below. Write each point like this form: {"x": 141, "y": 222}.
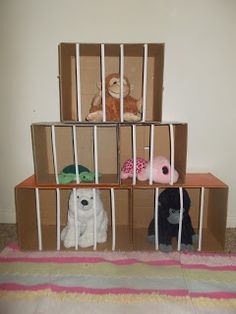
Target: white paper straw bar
{"x": 58, "y": 219}
{"x": 54, "y": 152}
{"x": 201, "y": 218}
{"x": 75, "y": 154}
{"x": 39, "y": 228}
{"x": 95, "y": 145}
{"x": 78, "y": 82}
{"x": 145, "y": 66}
{"x": 121, "y": 82}
{"x": 172, "y": 153}
{"x": 94, "y": 220}
{"x": 134, "y": 152}
{"x": 103, "y": 83}
{"x": 152, "y": 131}
{"x": 156, "y": 218}
{"x": 113, "y": 218}
{"x": 180, "y": 217}
{"x": 75, "y": 217}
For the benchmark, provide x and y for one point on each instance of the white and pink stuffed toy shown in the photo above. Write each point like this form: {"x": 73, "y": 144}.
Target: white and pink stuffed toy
{"x": 128, "y": 166}
{"x": 161, "y": 170}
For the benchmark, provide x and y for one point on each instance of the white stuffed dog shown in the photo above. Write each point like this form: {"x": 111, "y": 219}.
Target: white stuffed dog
{"x": 85, "y": 220}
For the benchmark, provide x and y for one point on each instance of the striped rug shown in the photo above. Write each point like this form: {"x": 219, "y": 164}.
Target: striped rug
{"x": 116, "y": 282}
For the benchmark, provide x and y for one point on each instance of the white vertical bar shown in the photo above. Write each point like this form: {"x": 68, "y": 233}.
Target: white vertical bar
{"x": 134, "y": 152}
{"x": 103, "y": 83}
{"x": 156, "y": 218}
{"x": 172, "y": 153}
{"x": 94, "y": 220}
{"x": 58, "y": 219}
{"x": 121, "y": 82}
{"x": 95, "y": 145}
{"x": 75, "y": 154}
{"x": 113, "y": 218}
{"x": 78, "y": 82}
{"x": 145, "y": 66}
{"x": 38, "y": 220}
{"x": 75, "y": 217}
{"x": 201, "y": 218}
{"x": 151, "y": 152}
{"x": 180, "y": 217}
{"x": 54, "y": 151}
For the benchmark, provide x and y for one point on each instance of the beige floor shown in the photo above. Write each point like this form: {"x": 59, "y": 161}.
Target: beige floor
{"x": 8, "y": 234}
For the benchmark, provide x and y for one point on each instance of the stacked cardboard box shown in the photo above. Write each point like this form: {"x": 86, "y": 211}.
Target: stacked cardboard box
{"x": 54, "y": 145}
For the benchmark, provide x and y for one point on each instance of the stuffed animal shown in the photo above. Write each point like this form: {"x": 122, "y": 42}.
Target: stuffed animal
{"x": 160, "y": 171}
{"x": 128, "y": 166}
{"x": 132, "y": 106}
{"x": 68, "y": 174}
{"x": 85, "y": 220}
{"x": 168, "y": 221}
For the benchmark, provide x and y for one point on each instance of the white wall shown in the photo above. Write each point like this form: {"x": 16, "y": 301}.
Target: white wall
{"x": 200, "y": 74}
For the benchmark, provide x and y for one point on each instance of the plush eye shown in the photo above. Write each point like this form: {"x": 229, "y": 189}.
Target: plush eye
{"x": 165, "y": 170}
{"x": 113, "y": 81}
{"x": 91, "y": 198}
{"x": 77, "y": 196}
{"x": 172, "y": 211}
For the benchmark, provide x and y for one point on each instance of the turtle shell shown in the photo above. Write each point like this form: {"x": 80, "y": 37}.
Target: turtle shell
{"x": 71, "y": 169}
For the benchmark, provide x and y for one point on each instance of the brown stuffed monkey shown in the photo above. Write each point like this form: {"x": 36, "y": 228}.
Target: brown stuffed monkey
{"x": 132, "y": 106}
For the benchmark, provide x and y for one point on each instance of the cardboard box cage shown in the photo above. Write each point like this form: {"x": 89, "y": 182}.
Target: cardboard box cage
{"x": 82, "y": 67}
{"x": 103, "y": 149}
{"x": 42, "y": 212}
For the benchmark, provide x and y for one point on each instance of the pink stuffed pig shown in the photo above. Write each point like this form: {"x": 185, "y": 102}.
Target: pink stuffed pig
{"x": 160, "y": 173}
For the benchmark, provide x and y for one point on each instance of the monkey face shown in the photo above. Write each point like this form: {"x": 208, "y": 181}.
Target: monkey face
{"x": 174, "y": 215}
{"x": 113, "y": 87}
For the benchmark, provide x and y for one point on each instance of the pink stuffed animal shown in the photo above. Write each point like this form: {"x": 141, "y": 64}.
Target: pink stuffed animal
{"x": 160, "y": 173}
{"x": 127, "y": 168}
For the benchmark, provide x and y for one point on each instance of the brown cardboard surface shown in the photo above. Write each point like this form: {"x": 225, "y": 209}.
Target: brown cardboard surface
{"x": 161, "y": 145}
{"x": 26, "y": 219}
{"x": 193, "y": 180}
{"x": 209, "y": 244}
{"x": 214, "y": 216}
{"x": 114, "y": 142}
{"x": 106, "y": 143}
{"x": 27, "y": 223}
{"x": 90, "y": 75}
{"x": 134, "y": 211}
{"x": 217, "y": 213}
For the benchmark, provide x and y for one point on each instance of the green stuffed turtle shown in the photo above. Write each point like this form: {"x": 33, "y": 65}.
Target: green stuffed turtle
{"x": 68, "y": 174}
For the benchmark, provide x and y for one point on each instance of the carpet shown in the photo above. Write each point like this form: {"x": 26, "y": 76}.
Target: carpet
{"x": 116, "y": 282}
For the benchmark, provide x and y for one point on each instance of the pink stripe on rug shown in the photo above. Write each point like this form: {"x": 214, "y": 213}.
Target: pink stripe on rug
{"x": 125, "y": 262}
{"x": 56, "y": 288}
{"x": 91, "y": 260}
{"x": 117, "y": 291}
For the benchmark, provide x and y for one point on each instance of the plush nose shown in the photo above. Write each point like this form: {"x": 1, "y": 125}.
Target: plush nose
{"x": 84, "y": 202}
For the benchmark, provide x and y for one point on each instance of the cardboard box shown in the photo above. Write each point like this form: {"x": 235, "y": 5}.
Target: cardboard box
{"x": 107, "y": 146}
{"x": 90, "y": 75}
{"x": 214, "y": 213}
{"x": 134, "y": 210}
{"x": 114, "y": 146}
{"x": 27, "y": 217}
{"x": 162, "y": 145}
